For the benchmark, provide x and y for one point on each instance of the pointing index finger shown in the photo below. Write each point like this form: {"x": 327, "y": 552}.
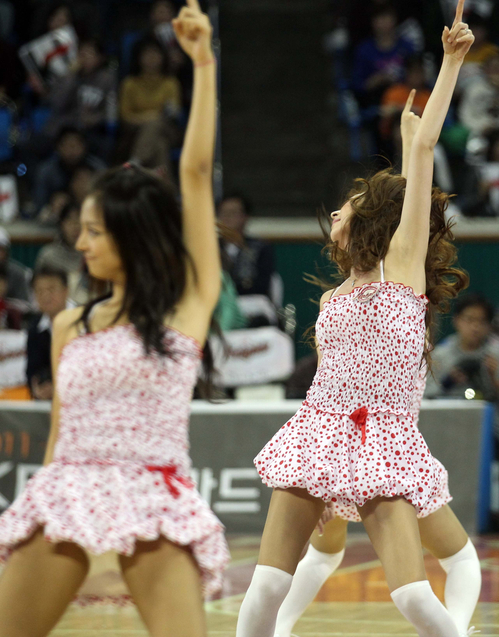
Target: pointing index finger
{"x": 193, "y": 4}
{"x": 459, "y": 11}
{"x": 410, "y": 101}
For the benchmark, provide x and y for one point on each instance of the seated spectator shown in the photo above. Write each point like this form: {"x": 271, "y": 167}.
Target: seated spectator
{"x": 379, "y": 61}
{"x": 54, "y": 174}
{"x": 466, "y": 364}
{"x": 160, "y": 28}
{"x": 58, "y": 15}
{"x": 10, "y": 315}
{"x": 150, "y": 99}
{"x": 250, "y": 262}
{"x": 479, "y": 108}
{"x": 78, "y": 189}
{"x": 481, "y": 51}
{"x": 50, "y": 213}
{"x": 18, "y": 275}
{"x": 394, "y": 98}
{"x": 480, "y": 188}
{"x": 87, "y": 99}
{"x": 55, "y": 16}
{"x": 161, "y": 16}
{"x": 61, "y": 254}
{"x": 51, "y": 293}
{"x": 81, "y": 182}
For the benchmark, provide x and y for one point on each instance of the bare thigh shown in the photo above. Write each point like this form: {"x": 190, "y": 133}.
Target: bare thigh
{"x": 392, "y": 527}
{"x": 165, "y": 583}
{"x": 293, "y": 515}
{"x": 442, "y": 533}
{"x": 333, "y": 539}
{"x": 39, "y": 581}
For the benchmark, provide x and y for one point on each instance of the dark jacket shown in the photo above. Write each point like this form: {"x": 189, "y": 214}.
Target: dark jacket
{"x": 39, "y": 342}
{"x": 252, "y": 267}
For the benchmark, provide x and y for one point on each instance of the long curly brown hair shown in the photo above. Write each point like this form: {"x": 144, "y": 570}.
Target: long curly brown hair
{"x": 374, "y": 220}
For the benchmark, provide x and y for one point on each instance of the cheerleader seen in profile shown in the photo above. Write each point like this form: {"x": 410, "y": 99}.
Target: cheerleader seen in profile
{"x": 353, "y": 442}
{"x": 116, "y": 474}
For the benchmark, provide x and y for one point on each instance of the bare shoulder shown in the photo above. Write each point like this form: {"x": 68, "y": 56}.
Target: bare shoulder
{"x": 65, "y": 322}
{"x": 325, "y": 297}
{"x": 65, "y": 319}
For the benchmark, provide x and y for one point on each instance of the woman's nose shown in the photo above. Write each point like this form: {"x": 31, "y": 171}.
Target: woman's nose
{"x": 335, "y": 214}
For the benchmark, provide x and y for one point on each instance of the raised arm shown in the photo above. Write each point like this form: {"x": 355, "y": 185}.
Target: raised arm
{"x": 410, "y": 242}
{"x": 409, "y": 126}
{"x": 62, "y": 328}
{"x": 193, "y": 31}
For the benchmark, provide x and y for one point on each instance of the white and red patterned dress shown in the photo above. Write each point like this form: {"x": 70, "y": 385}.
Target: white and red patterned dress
{"x": 356, "y": 436}
{"x": 121, "y": 467}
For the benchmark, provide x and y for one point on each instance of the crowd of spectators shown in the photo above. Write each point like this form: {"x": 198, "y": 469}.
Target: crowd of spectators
{"x": 86, "y": 85}
{"x": 381, "y": 49}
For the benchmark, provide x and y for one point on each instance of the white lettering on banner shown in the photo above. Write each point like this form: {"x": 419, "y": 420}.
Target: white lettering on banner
{"x": 246, "y": 498}
{"x": 23, "y": 474}
{"x": 5, "y": 468}
{"x": 205, "y": 483}
{"x": 227, "y": 490}
{"x": 233, "y": 499}
{"x": 236, "y": 507}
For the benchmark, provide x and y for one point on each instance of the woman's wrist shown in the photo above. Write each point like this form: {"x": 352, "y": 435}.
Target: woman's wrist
{"x": 451, "y": 61}
{"x": 205, "y": 60}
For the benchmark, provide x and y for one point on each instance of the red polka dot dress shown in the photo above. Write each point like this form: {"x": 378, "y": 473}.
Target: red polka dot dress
{"x": 355, "y": 436}
{"x": 121, "y": 467}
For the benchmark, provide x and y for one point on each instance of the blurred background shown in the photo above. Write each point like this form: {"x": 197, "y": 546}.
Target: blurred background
{"x": 311, "y": 93}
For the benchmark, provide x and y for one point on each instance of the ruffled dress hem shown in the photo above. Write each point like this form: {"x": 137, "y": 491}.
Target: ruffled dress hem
{"x": 349, "y": 459}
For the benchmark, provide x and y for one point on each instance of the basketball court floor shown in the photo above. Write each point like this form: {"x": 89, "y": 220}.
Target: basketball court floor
{"x": 354, "y": 602}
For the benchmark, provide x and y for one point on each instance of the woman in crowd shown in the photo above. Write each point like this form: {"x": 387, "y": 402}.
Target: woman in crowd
{"x": 150, "y": 100}
{"x": 354, "y": 442}
{"x": 116, "y": 474}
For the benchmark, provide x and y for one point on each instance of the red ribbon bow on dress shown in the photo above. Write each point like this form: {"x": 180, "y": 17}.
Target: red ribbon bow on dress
{"x": 359, "y": 416}
{"x": 169, "y": 475}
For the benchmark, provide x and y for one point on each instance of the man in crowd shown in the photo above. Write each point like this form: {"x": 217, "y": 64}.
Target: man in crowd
{"x": 466, "y": 365}
{"x": 51, "y": 292}
{"x": 55, "y": 173}
{"x": 250, "y": 262}
{"x": 379, "y": 61}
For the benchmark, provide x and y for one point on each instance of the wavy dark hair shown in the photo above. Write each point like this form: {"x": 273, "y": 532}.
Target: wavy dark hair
{"x": 142, "y": 215}
{"x": 374, "y": 220}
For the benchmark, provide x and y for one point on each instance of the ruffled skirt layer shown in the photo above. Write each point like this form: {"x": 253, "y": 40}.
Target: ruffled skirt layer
{"x": 348, "y": 460}
{"x": 108, "y": 507}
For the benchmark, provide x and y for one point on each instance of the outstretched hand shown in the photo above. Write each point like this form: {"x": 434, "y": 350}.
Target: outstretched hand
{"x": 409, "y": 122}
{"x": 458, "y": 39}
{"x": 193, "y": 31}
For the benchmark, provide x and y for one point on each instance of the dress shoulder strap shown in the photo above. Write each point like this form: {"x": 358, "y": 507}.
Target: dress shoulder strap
{"x": 382, "y": 270}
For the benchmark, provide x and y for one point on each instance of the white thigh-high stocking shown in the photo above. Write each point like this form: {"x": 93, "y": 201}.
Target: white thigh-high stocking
{"x": 419, "y": 605}
{"x": 312, "y": 572}
{"x": 265, "y": 594}
{"x": 462, "y": 588}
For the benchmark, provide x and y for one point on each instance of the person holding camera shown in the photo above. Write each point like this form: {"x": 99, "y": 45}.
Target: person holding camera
{"x": 466, "y": 364}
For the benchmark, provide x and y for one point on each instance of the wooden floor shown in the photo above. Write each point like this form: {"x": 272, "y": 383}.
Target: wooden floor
{"x": 354, "y": 601}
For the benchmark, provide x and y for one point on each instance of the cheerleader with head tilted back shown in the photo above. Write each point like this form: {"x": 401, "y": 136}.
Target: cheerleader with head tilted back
{"x": 441, "y": 532}
{"x": 117, "y": 467}
{"x": 354, "y": 442}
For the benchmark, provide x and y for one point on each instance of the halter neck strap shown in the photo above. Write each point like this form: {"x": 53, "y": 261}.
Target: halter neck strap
{"x": 382, "y": 270}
